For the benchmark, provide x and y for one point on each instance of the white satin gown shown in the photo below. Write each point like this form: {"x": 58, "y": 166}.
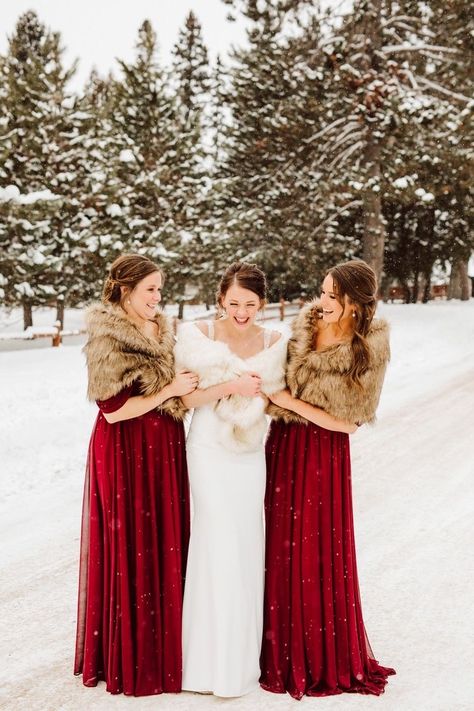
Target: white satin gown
{"x": 223, "y": 596}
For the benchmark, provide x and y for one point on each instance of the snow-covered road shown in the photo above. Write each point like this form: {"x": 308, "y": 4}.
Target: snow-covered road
{"x": 413, "y": 477}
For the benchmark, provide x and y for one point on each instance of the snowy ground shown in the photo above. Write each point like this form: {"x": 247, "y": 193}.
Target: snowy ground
{"x": 414, "y": 493}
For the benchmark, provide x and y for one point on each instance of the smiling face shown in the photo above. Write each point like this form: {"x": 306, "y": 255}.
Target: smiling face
{"x": 333, "y": 311}
{"x": 241, "y": 306}
{"x": 145, "y": 297}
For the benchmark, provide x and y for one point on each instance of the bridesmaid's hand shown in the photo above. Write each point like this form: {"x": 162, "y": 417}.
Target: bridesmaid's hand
{"x": 282, "y": 398}
{"x": 248, "y": 384}
{"x": 184, "y": 382}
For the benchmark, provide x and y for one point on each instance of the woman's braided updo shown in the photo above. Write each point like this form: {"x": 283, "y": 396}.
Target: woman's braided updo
{"x": 126, "y": 271}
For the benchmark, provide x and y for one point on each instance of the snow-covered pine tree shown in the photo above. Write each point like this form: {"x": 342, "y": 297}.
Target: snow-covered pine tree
{"x": 6, "y": 270}
{"x": 363, "y": 88}
{"x": 191, "y": 81}
{"x": 424, "y": 203}
{"x": 453, "y": 80}
{"x": 214, "y": 233}
{"x": 32, "y": 136}
{"x": 375, "y": 60}
{"x": 153, "y": 196}
{"x": 428, "y": 199}
{"x": 262, "y": 190}
{"x": 103, "y": 207}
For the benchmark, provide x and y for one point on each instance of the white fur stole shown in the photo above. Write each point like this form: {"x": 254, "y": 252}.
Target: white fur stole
{"x": 243, "y": 421}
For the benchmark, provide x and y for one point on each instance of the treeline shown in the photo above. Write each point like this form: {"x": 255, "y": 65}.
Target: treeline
{"x": 326, "y": 137}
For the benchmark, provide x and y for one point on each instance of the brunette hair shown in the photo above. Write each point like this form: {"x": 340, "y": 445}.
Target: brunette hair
{"x": 356, "y": 280}
{"x": 127, "y": 270}
{"x": 248, "y": 276}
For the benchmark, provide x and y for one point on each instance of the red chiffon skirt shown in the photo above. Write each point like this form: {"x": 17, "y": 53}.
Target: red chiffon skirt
{"x": 314, "y": 641}
{"x": 135, "y": 529}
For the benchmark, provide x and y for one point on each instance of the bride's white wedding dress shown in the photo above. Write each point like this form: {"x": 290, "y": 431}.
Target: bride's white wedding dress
{"x": 223, "y": 598}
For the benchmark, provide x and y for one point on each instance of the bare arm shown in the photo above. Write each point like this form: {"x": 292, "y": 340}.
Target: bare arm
{"x": 247, "y": 384}
{"x": 311, "y": 413}
{"x": 184, "y": 382}
{"x": 138, "y": 405}
{"x": 215, "y": 392}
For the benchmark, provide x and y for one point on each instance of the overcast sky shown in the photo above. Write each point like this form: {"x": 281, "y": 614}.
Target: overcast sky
{"x": 98, "y": 31}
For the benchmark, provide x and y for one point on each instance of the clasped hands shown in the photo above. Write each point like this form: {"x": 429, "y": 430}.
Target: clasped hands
{"x": 250, "y": 385}
{"x": 247, "y": 384}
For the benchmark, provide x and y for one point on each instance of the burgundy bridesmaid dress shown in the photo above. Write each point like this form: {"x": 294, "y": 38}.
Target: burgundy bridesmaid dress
{"x": 314, "y": 641}
{"x": 135, "y": 529}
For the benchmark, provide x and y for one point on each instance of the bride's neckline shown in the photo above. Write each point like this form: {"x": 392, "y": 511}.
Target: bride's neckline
{"x": 226, "y": 345}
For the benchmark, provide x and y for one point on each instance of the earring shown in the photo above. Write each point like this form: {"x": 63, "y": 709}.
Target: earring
{"x": 353, "y": 313}
{"x": 128, "y": 301}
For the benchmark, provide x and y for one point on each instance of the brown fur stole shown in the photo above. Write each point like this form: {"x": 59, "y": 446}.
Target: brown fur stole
{"x": 320, "y": 378}
{"x": 118, "y": 354}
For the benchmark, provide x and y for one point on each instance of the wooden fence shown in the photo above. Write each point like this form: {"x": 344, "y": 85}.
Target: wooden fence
{"x": 280, "y": 310}
{"x": 400, "y": 293}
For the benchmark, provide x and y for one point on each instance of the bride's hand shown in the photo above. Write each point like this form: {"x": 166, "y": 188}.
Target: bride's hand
{"x": 248, "y": 384}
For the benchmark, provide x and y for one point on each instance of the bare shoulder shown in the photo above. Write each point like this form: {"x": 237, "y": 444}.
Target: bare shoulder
{"x": 203, "y": 327}
{"x": 270, "y": 336}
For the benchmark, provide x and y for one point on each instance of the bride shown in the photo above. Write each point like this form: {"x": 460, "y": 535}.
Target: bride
{"x": 237, "y": 362}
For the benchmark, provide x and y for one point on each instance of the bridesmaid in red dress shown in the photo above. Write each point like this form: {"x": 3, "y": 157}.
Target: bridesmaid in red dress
{"x": 314, "y": 639}
{"x": 135, "y": 522}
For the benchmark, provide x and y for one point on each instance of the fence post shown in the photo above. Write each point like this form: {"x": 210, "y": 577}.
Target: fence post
{"x": 282, "y": 309}
{"x": 57, "y": 340}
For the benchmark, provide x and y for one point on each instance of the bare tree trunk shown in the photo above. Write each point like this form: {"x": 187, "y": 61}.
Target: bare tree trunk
{"x": 27, "y": 314}
{"x": 374, "y": 225}
{"x": 406, "y": 291}
{"x": 60, "y": 311}
{"x": 460, "y": 286}
{"x": 454, "y": 286}
{"x": 416, "y": 286}
{"x": 427, "y": 287}
{"x": 466, "y": 284}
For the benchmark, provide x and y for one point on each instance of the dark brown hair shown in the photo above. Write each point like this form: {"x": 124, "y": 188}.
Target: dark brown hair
{"x": 247, "y": 276}
{"x": 127, "y": 270}
{"x": 356, "y": 280}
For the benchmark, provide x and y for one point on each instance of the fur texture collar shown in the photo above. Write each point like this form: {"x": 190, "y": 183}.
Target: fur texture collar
{"x": 119, "y": 354}
{"x": 320, "y": 377}
{"x": 242, "y": 419}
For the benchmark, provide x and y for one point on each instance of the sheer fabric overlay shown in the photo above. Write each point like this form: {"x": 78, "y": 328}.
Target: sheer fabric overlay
{"x": 314, "y": 640}
{"x": 135, "y": 529}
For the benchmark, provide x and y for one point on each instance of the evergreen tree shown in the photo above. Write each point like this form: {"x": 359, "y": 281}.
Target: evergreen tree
{"x": 103, "y": 204}
{"x": 454, "y": 81}
{"x": 191, "y": 79}
{"x": 378, "y": 62}
{"x": 365, "y": 109}
{"x": 261, "y": 170}
{"x": 157, "y": 158}
{"x": 34, "y": 140}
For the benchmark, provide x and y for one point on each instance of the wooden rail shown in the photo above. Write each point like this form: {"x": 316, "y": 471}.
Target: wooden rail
{"x": 400, "y": 293}
{"x": 281, "y": 309}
